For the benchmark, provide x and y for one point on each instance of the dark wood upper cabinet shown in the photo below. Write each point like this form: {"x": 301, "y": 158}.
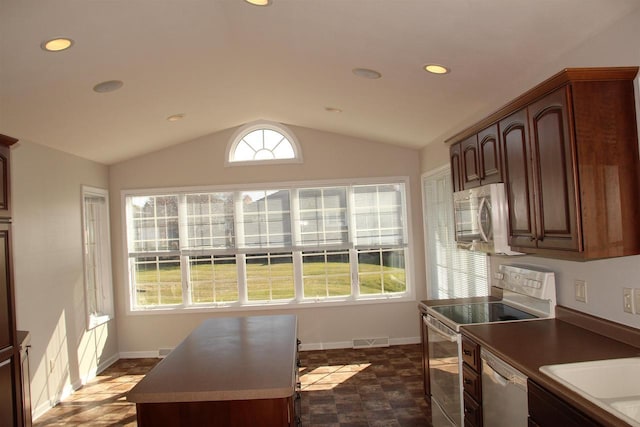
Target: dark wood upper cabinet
{"x": 456, "y": 162}
{"x": 471, "y": 174}
{"x": 479, "y": 158}
{"x": 489, "y": 155}
{"x": 539, "y": 175}
{"x": 5, "y": 203}
{"x": 552, "y": 160}
{"x": 568, "y": 150}
{"x": 10, "y": 372}
{"x": 518, "y": 178}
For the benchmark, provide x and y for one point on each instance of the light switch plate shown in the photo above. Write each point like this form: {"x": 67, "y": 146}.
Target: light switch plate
{"x": 580, "y": 290}
{"x": 636, "y": 300}
{"x": 627, "y": 300}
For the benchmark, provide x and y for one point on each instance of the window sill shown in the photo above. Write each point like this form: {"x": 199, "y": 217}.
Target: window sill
{"x": 288, "y": 305}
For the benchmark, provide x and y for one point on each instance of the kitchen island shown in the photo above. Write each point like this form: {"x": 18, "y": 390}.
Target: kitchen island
{"x": 230, "y": 371}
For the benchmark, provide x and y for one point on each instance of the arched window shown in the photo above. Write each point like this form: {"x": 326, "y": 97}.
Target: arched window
{"x": 263, "y": 142}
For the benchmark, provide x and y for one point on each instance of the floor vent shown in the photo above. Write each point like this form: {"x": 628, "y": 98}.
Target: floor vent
{"x": 371, "y": 342}
{"x": 164, "y": 352}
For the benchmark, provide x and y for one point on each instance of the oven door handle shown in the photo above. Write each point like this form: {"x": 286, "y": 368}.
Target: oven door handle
{"x": 434, "y": 325}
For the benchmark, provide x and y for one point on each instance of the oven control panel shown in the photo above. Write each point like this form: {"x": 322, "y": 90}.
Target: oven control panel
{"x": 531, "y": 281}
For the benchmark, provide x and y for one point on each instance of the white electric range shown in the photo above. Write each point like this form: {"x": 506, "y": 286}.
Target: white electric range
{"x": 528, "y": 294}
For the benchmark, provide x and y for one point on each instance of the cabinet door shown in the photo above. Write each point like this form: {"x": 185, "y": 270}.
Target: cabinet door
{"x": 546, "y": 409}
{"x": 4, "y": 182}
{"x": 552, "y": 152}
{"x": 489, "y": 154}
{"x": 7, "y": 401}
{"x": 6, "y": 299}
{"x": 514, "y": 143}
{"x": 471, "y": 175}
{"x": 456, "y": 161}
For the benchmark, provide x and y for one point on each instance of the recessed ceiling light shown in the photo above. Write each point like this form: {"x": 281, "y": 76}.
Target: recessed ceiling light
{"x": 436, "y": 69}
{"x": 366, "y": 73}
{"x": 333, "y": 109}
{"x": 56, "y": 45}
{"x": 175, "y": 117}
{"x": 108, "y": 86}
{"x": 259, "y": 2}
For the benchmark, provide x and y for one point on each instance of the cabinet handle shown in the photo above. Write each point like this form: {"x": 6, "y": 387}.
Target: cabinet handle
{"x": 467, "y": 381}
{"x": 467, "y": 352}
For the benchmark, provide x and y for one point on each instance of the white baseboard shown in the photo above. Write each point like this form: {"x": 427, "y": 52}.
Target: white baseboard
{"x": 349, "y": 344}
{"x": 139, "y": 354}
{"x": 70, "y": 388}
{"x": 303, "y": 347}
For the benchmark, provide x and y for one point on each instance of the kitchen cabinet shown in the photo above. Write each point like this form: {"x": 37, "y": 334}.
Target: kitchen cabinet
{"x": 456, "y": 167}
{"x": 548, "y": 410}
{"x": 5, "y": 143}
{"x": 570, "y": 164}
{"x": 477, "y": 160}
{"x": 539, "y": 175}
{"x": 471, "y": 382}
{"x": 10, "y": 384}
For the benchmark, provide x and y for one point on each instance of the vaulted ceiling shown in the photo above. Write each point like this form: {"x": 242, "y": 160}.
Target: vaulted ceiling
{"x": 223, "y": 63}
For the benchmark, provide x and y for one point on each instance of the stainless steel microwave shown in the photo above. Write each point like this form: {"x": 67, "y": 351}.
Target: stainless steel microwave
{"x": 481, "y": 219}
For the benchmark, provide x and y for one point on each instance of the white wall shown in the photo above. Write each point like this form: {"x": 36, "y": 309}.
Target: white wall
{"x": 48, "y": 270}
{"x": 617, "y": 46}
{"x": 326, "y": 156}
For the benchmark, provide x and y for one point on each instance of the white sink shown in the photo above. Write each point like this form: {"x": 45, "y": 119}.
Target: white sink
{"x": 613, "y": 385}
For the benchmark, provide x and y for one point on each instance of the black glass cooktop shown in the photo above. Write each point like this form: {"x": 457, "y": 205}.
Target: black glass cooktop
{"x": 465, "y": 314}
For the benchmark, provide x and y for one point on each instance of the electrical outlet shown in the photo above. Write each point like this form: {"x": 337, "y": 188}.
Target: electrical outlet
{"x": 627, "y": 300}
{"x": 636, "y": 300}
{"x": 580, "y": 290}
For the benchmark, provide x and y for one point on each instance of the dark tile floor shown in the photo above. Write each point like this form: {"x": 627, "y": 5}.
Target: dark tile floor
{"x": 340, "y": 388}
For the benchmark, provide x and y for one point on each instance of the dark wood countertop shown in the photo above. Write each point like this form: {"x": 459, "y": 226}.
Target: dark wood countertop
{"x": 528, "y": 345}
{"x": 226, "y": 358}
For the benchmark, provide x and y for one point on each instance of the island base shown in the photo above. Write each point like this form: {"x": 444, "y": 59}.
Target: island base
{"x": 231, "y": 413}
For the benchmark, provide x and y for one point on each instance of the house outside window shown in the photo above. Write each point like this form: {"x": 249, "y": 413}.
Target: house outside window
{"x": 214, "y": 248}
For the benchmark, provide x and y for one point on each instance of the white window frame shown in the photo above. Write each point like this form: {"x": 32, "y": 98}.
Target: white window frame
{"x": 243, "y": 131}
{"x": 97, "y": 278}
{"x": 298, "y": 301}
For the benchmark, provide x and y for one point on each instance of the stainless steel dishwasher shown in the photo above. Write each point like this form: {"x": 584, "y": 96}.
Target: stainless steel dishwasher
{"x": 504, "y": 393}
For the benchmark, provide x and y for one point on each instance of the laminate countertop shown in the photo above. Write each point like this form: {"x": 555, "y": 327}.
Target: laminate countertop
{"x": 226, "y": 358}
{"x": 529, "y": 345}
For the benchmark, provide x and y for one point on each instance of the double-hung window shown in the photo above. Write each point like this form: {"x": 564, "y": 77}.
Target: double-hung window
{"x": 271, "y": 245}
{"x": 452, "y": 272}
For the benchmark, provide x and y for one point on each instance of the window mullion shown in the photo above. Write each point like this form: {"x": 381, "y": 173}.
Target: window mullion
{"x": 355, "y": 279}
{"x": 296, "y": 242}
{"x": 241, "y": 259}
{"x": 241, "y": 266}
{"x": 183, "y": 237}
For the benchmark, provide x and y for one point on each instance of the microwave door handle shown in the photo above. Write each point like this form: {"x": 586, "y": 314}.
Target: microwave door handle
{"x": 481, "y": 229}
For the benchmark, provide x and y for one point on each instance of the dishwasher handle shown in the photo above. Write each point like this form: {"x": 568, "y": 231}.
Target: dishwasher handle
{"x": 503, "y": 372}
